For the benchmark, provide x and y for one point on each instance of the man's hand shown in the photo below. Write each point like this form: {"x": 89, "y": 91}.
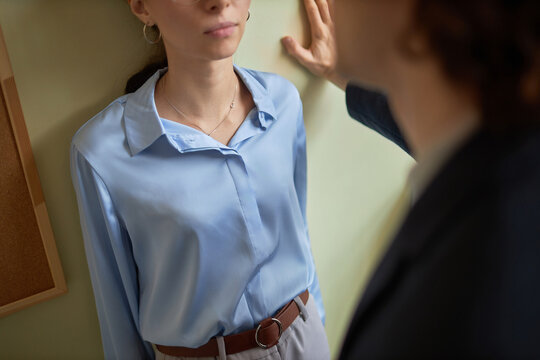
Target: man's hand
{"x": 321, "y": 57}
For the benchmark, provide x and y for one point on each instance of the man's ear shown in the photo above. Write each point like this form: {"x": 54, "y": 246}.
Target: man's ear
{"x": 138, "y": 8}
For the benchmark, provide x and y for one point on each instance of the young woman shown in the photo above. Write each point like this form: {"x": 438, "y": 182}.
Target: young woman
{"x": 460, "y": 279}
{"x": 192, "y": 195}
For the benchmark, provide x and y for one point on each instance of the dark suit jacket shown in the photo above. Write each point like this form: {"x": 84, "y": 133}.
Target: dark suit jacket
{"x": 462, "y": 277}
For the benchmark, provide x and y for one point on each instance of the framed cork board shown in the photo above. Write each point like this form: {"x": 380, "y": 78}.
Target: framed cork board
{"x": 30, "y": 270}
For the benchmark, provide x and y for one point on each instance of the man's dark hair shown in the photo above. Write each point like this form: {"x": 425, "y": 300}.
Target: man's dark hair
{"x": 491, "y": 46}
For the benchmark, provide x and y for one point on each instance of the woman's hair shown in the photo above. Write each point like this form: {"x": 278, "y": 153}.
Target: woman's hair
{"x": 158, "y": 61}
{"x": 492, "y": 47}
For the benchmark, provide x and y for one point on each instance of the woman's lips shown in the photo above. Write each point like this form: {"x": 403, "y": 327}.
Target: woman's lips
{"x": 222, "y": 30}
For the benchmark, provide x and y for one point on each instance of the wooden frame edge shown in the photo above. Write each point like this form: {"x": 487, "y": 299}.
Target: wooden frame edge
{"x": 13, "y": 307}
{"x": 18, "y": 125}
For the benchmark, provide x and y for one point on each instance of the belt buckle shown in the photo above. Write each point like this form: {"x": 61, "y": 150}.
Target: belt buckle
{"x": 261, "y": 345}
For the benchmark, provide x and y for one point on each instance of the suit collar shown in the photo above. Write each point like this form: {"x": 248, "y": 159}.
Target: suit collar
{"x": 427, "y": 167}
{"x": 465, "y": 172}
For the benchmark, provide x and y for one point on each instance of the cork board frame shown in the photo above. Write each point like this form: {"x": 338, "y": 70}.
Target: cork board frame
{"x": 30, "y": 269}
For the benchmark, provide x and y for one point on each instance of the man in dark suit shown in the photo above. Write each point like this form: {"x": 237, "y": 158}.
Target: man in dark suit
{"x": 461, "y": 278}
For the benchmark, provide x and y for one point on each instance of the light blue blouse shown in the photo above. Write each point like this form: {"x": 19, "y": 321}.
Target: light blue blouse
{"x": 187, "y": 238}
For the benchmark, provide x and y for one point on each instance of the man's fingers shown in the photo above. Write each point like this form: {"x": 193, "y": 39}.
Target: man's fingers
{"x": 303, "y": 55}
{"x": 324, "y": 11}
{"x": 314, "y": 16}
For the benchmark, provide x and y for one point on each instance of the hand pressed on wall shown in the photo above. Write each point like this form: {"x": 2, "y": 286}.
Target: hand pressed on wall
{"x": 321, "y": 56}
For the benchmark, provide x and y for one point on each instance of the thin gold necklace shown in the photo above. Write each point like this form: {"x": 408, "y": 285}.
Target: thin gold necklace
{"x": 181, "y": 113}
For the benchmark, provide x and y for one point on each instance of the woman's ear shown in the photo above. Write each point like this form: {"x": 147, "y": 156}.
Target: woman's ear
{"x": 138, "y": 7}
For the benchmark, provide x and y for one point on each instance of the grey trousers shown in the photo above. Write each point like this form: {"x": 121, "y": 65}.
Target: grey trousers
{"x": 305, "y": 339}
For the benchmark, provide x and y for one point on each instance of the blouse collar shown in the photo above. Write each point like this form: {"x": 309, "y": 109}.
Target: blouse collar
{"x": 142, "y": 122}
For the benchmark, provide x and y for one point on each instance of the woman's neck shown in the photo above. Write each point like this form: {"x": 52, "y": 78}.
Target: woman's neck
{"x": 203, "y": 90}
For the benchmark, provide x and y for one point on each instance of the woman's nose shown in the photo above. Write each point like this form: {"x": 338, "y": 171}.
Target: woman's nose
{"x": 217, "y": 5}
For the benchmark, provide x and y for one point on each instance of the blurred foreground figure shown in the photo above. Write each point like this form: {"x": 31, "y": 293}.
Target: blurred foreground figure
{"x": 460, "y": 276}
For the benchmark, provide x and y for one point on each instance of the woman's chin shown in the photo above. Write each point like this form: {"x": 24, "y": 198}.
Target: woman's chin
{"x": 221, "y": 53}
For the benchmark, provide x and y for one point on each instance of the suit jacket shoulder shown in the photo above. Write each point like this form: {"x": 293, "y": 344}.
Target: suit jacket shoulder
{"x": 461, "y": 277}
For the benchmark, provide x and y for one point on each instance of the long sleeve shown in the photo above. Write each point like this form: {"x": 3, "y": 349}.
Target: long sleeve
{"x": 371, "y": 109}
{"x": 300, "y": 183}
{"x": 112, "y": 268}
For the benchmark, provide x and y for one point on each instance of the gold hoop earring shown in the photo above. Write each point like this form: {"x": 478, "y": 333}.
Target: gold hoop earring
{"x": 148, "y": 40}
{"x": 249, "y": 15}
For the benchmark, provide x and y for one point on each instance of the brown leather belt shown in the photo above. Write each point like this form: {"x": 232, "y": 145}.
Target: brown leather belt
{"x": 266, "y": 335}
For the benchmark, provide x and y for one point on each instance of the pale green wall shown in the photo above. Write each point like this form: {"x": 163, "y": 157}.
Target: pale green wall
{"x": 72, "y": 57}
